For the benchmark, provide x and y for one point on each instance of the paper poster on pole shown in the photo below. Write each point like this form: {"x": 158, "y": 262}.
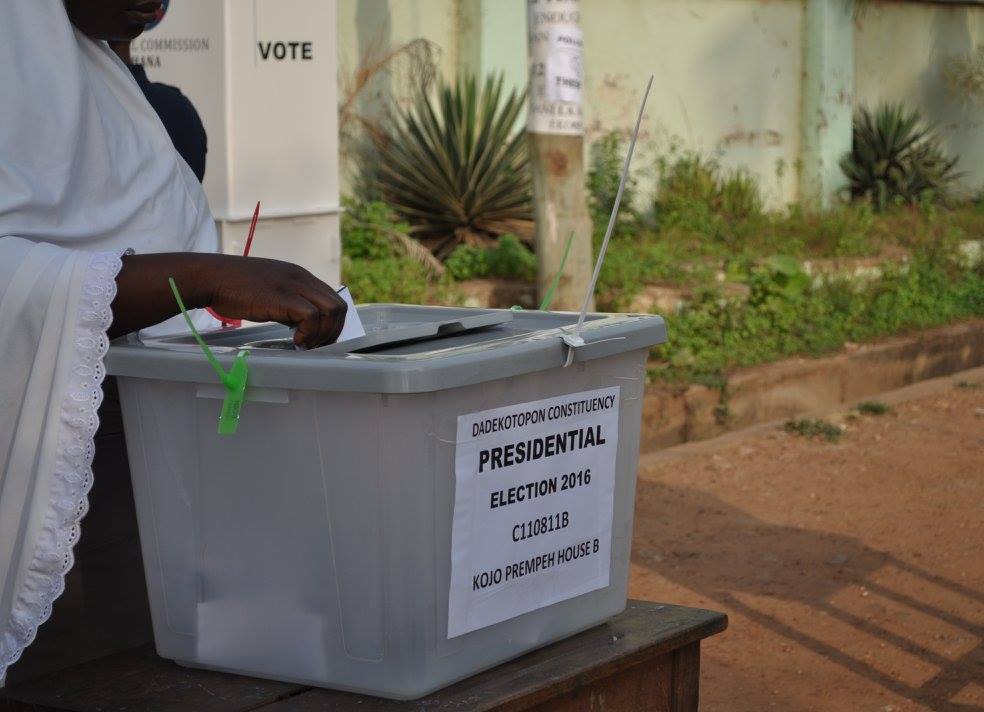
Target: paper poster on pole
{"x": 564, "y": 68}
{"x": 556, "y": 67}
{"x": 534, "y": 497}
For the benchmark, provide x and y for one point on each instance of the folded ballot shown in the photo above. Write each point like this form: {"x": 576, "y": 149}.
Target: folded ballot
{"x": 353, "y": 328}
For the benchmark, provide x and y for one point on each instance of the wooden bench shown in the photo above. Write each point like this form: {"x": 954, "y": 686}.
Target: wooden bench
{"x": 647, "y": 658}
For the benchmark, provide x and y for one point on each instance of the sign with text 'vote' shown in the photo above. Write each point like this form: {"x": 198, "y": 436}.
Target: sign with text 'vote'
{"x": 534, "y": 496}
{"x": 262, "y": 75}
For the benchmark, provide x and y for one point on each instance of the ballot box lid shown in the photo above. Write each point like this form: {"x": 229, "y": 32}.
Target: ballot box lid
{"x": 406, "y": 349}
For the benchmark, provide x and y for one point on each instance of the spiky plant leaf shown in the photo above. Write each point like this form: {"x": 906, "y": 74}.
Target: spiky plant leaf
{"x": 456, "y": 167}
{"x": 896, "y": 158}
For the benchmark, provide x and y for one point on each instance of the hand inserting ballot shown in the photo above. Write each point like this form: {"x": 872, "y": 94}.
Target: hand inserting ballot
{"x": 250, "y": 288}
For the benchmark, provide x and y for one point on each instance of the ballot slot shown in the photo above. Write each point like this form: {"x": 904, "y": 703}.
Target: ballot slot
{"x": 383, "y": 334}
{"x": 389, "y": 326}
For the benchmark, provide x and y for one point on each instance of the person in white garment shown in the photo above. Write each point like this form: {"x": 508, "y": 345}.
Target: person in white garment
{"x": 97, "y": 210}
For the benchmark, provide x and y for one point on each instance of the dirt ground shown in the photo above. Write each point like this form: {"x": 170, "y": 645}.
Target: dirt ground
{"x": 852, "y": 572}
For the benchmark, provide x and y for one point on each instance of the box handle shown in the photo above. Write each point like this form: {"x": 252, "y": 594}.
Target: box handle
{"x": 256, "y": 395}
{"x": 449, "y": 327}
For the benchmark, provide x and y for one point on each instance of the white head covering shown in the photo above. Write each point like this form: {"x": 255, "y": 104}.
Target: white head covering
{"x": 86, "y": 172}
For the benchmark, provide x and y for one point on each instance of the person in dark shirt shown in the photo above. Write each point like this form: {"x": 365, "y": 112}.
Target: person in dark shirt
{"x": 177, "y": 113}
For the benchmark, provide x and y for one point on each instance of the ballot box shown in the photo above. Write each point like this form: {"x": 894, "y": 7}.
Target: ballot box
{"x": 263, "y": 76}
{"x": 395, "y": 512}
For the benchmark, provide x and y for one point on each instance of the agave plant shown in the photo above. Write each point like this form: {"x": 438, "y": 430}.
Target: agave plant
{"x": 895, "y": 157}
{"x": 456, "y": 167}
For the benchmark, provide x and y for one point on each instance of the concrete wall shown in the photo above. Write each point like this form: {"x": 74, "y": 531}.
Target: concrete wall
{"x": 366, "y": 26}
{"x": 727, "y": 79}
{"x": 901, "y": 50}
{"x": 367, "y": 31}
{"x": 729, "y": 73}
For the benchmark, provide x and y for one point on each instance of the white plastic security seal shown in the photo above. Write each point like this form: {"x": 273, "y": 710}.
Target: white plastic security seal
{"x": 574, "y": 340}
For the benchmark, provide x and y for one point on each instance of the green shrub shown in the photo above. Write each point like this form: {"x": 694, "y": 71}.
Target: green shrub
{"x": 634, "y": 262}
{"x": 508, "y": 259}
{"x": 371, "y": 230}
{"x": 873, "y": 408}
{"x": 841, "y": 231}
{"x": 780, "y": 276}
{"x": 813, "y": 428}
{"x": 380, "y": 262}
{"x": 468, "y": 262}
{"x": 740, "y": 196}
{"x": 364, "y": 229}
{"x": 895, "y": 158}
{"x": 457, "y": 165}
{"x": 687, "y": 193}
{"x": 604, "y": 172}
{"x": 696, "y": 194}
{"x": 393, "y": 279}
{"x": 625, "y": 272}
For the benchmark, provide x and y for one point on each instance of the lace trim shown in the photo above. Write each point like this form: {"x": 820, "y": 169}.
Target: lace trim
{"x": 68, "y": 499}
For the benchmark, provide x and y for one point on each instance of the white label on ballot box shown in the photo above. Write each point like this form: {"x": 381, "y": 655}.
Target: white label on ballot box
{"x": 534, "y": 496}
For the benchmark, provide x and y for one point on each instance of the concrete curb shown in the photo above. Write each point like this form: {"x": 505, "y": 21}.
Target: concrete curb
{"x": 933, "y": 386}
{"x": 793, "y": 387}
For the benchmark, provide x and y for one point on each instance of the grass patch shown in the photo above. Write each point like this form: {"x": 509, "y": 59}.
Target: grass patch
{"x": 707, "y": 221}
{"x": 968, "y": 386}
{"x": 808, "y": 428}
{"x": 713, "y": 335}
{"x": 873, "y": 408}
{"x": 688, "y": 255}
{"x": 706, "y": 233}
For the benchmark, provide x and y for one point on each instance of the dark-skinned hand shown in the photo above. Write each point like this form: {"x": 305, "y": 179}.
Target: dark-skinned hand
{"x": 237, "y": 287}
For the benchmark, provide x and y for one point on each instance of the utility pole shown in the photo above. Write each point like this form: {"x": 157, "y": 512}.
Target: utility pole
{"x": 555, "y": 130}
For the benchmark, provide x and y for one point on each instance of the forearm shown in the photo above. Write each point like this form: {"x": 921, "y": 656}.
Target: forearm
{"x": 143, "y": 296}
{"x": 251, "y": 288}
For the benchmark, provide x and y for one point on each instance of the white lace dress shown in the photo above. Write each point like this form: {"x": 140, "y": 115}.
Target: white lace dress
{"x": 41, "y": 506}
{"x": 86, "y": 171}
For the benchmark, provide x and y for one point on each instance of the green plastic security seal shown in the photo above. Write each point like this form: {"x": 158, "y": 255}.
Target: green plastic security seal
{"x": 234, "y": 381}
{"x": 232, "y": 404}
{"x": 548, "y": 297}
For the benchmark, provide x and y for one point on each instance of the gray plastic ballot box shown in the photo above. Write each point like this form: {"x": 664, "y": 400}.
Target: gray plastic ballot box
{"x": 396, "y": 512}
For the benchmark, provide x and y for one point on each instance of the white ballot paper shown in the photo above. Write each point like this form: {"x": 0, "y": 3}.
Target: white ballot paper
{"x": 533, "y": 505}
{"x": 353, "y": 328}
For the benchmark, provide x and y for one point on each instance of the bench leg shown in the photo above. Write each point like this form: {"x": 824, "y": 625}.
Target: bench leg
{"x": 686, "y": 679}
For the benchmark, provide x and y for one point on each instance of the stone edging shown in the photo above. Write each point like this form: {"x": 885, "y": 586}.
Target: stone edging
{"x": 789, "y": 388}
